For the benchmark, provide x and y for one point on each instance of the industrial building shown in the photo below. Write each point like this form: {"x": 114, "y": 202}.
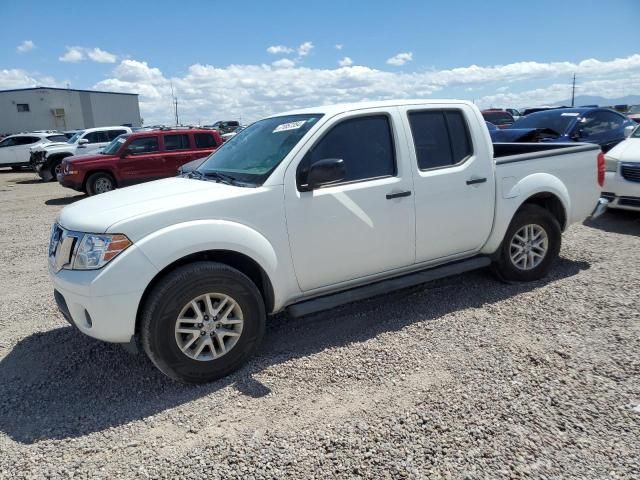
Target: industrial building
{"x": 43, "y": 108}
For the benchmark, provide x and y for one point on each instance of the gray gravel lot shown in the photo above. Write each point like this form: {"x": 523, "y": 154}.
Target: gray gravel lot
{"x": 462, "y": 378}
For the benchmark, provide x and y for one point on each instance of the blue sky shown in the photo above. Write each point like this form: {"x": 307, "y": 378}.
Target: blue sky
{"x": 146, "y": 46}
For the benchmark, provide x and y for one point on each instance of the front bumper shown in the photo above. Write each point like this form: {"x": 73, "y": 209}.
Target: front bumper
{"x": 600, "y": 208}
{"x": 104, "y": 303}
{"x": 622, "y": 194}
{"x": 69, "y": 182}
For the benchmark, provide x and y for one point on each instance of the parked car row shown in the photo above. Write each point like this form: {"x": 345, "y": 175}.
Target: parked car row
{"x": 14, "y": 149}
{"x": 597, "y": 125}
{"x": 136, "y": 157}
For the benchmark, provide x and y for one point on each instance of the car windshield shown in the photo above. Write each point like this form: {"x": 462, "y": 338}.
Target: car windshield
{"x": 75, "y": 138}
{"x": 251, "y": 155}
{"x": 636, "y": 133}
{"x": 556, "y": 120}
{"x": 634, "y": 109}
{"x": 114, "y": 146}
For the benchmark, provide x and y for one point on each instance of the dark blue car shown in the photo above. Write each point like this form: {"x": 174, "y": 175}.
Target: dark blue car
{"x": 602, "y": 126}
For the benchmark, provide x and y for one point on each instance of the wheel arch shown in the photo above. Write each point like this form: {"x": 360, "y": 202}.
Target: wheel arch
{"x": 234, "y": 259}
{"x": 98, "y": 170}
{"x": 542, "y": 189}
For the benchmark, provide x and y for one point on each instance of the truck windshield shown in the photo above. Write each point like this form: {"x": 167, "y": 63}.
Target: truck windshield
{"x": 256, "y": 151}
{"x": 75, "y": 138}
{"x": 114, "y": 146}
{"x": 636, "y": 133}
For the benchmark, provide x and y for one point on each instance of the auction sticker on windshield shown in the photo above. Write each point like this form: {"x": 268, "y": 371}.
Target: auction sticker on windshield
{"x": 289, "y": 126}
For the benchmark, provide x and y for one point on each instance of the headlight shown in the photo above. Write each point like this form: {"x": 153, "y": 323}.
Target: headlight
{"x": 95, "y": 251}
{"x": 610, "y": 164}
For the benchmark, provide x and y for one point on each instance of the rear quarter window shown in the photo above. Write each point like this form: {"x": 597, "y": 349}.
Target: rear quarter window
{"x": 205, "y": 140}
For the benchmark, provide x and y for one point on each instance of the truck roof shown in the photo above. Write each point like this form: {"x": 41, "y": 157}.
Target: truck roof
{"x": 348, "y": 107}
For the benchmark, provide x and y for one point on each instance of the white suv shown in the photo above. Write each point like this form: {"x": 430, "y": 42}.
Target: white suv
{"x": 46, "y": 159}
{"x": 14, "y": 149}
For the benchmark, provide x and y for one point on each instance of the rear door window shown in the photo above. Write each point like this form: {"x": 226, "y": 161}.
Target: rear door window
{"x": 143, "y": 145}
{"x": 57, "y": 138}
{"x": 441, "y": 138}
{"x": 205, "y": 140}
{"x": 176, "y": 142}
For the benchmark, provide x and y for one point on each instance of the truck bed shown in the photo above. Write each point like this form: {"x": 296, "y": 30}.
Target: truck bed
{"x": 513, "y": 152}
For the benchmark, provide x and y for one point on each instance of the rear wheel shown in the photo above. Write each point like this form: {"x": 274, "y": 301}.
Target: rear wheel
{"x": 100, "y": 183}
{"x": 202, "y": 322}
{"x": 530, "y": 246}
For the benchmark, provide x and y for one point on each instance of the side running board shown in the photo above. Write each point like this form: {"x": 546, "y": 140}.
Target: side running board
{"x": 327, "y": 302}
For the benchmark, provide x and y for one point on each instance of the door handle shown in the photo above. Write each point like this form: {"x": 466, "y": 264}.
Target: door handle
{"x": 474, "y": 181}
{"x": 398, "y": 195}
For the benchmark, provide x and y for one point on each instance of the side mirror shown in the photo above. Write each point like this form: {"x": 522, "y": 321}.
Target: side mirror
{"x": 125, "y": 152}
{"x": 83, "y": 141}
{"x": 324, "y": 172}
{"x": 628, "y": 130}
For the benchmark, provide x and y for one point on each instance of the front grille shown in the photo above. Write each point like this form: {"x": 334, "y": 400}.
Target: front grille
{"x": 36, "y": 158}
{"x": 608, "y": 195}
{"x": 629, "y": 201}
{"x": 630, "y": 171}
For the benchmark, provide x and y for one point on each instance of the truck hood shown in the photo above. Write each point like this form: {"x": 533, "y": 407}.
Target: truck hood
{"x": 627, "y": 151}
{"x": 141, "y": 209}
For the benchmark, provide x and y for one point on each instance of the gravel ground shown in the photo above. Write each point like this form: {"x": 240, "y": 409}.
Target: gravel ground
{"x": 463, "y": 378}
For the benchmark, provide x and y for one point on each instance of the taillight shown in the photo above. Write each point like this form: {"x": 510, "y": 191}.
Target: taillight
{"x": 601, "y": 167}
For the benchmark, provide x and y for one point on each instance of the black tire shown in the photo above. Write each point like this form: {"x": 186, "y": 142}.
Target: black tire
{"x": 177, "y": 289}
{"x": 55, "y": 169}
{"x": 97, "y": 183}
{"x": 528, "y": 214}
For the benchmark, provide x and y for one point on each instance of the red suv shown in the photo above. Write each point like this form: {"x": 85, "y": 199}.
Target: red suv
{"x": 137, "y": 157}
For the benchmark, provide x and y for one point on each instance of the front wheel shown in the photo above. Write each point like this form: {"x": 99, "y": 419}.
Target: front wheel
{"x": 100, "y": 183}
{"x": 202, "y": 322}
{"x": 530, "y": 246}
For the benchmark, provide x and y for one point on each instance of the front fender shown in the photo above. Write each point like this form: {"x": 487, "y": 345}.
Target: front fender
{"x": 175, "y": 242}
{"x": 511, "y": 194}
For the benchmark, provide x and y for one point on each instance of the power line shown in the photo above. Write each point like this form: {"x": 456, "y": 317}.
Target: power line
{"x": 573, "y": 90}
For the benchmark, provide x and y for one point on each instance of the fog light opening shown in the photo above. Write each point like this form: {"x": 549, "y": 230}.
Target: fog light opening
{"x": 87, "y": 317}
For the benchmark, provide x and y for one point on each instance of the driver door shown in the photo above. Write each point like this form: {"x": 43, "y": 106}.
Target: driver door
{"x": 362, "y": 225}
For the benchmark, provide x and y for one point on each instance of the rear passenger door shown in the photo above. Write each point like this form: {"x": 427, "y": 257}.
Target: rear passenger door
{"x": 177, "y": 152}
{"x": 454, "y": 186}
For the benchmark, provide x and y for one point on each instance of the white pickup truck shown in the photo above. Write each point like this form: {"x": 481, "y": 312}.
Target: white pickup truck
{"x": 308, "y": 210}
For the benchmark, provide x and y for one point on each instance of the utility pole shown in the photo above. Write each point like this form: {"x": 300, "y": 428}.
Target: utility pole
{"x": 174, "y": 100}
{"x": 573, "y": 90}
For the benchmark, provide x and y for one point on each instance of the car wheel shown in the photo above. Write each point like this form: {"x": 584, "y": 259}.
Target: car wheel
{"x": 55, "y": 169}
{"x": 530, "y": 246}
{"x": 100, "y": 183}
{"x": 202, "y": 322}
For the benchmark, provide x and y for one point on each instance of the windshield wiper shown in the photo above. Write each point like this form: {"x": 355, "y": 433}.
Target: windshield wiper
{"x": 221, "y": 177}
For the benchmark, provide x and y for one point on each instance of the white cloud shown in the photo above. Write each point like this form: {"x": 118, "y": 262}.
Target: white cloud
{"x": 284, "y": 63}
{"x": 305, "y": 48}
{"x": 277, "y": 49}
{"x": 339, "y": 46}
{"x": 72, "y": 55}
{"x": 26, "y": 46}
{"x": 400, "y": 58}
{"x": 101, "y": 56}
{"x": 79, "y": 54}
{"x": 18, "y": 78}
{"x": 345, "y": 62}
{"x": 208, "y": 92}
